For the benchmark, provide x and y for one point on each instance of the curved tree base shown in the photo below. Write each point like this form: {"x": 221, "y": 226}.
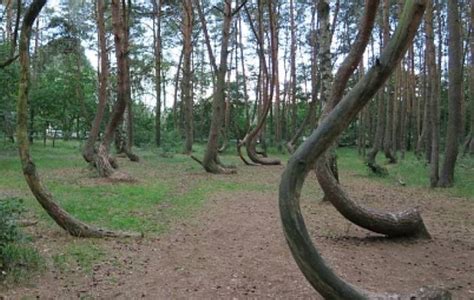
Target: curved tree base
{"x": 132, "y": 156}
{"x": 373, "y": 166}
{"x": 290, "y": 147}
{"x": 253, "y": 155}
{"x": 104, "y": 164}
{"x": 215, "y": 166}
{"x": 239, "y": 151}
{"x": 407, "y": 223}
{"x": 390, "y": 156}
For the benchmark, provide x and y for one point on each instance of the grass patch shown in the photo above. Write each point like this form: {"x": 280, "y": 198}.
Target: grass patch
{"x": 19, "y": 260}
{"x": 410, "y": 170}
{"x": 79, "y": 255}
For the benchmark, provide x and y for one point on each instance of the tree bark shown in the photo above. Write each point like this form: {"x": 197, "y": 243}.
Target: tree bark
{"x": 44, "y": 197}
{"x": 267, "y": 87}
{"x": 470, "y": 147}
{"x": 389, "y": 99}
{"x": 186, "y": 86}
{"x": 157, "y": 51}
{"x": 89, "y": 149}
{"x": 127, "y": 89}
{"x": 323, "y": 279}
{"x": 455, "y": 96}
{"x": 211, "y": 162}
{"x": 433, "y": 99}
{"x": 293, "y": 83}
{"x": 103, "y": 161}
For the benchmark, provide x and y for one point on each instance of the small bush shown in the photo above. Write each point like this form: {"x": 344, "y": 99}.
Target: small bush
{"x": 18, "y": 258}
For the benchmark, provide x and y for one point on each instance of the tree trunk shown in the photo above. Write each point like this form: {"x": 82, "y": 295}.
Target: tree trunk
{"x": 267, "y": 86}
{"x": 89, "y": 150}
{"x": 433, "y": 95}
{"x": 211, "y": 162}
{"x": 389, "y": 99}
{"x": 323, "y": 279}
{"x": 104, "y": 163}
{"x": 293, "y": 83}
{"x": 455, "y": 95}
{"x": 127, "y": 91}
{"x": 471, "y": 82}
{"x": 186, "y": 86}
{"x": 157, "y": 51}
{"x": 275, "y": 45}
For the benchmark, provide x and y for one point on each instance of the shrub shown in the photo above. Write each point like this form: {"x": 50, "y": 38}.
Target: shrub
{"x": 18, "y": 258}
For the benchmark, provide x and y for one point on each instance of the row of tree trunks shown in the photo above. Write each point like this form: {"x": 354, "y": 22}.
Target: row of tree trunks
{"x": 44, "y": 197}
{"x": 318, "y": 273}
{"x": 310, "y": 119}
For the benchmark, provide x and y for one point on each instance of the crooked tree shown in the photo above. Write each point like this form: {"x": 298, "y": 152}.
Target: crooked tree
{"x": 44, "y": 197}
{"x": 268, "y": 81}
{"x": 211, "y": 161}
{"x": 313, "y": 266}
{"x": 89, "y": 149}
{"x": 405, "y": 223}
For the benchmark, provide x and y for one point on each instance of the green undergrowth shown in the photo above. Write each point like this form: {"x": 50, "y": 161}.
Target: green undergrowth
{"x": 80, "y": 255}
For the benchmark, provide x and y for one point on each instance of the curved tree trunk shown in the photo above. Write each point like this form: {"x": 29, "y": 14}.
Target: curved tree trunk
{"x": 44, "y": 197}
{"x": 316, "y": 271}
{"x": 89, "y": 151}
{"x": 378, "y": 139}
{"x": 268, "y": 84}
{"x": 211, "y": 162}
{"x": 407, "y": 223}
{"x": 103, "y": 161}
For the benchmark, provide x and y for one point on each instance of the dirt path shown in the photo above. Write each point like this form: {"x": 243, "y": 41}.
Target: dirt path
{"x": 233, "y": 248}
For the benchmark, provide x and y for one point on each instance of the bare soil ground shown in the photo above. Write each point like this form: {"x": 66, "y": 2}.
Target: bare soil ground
{"x": 233, "y": 248}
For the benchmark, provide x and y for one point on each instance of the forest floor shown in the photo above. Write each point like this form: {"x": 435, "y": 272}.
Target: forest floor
{"x": 209, "y": 236}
